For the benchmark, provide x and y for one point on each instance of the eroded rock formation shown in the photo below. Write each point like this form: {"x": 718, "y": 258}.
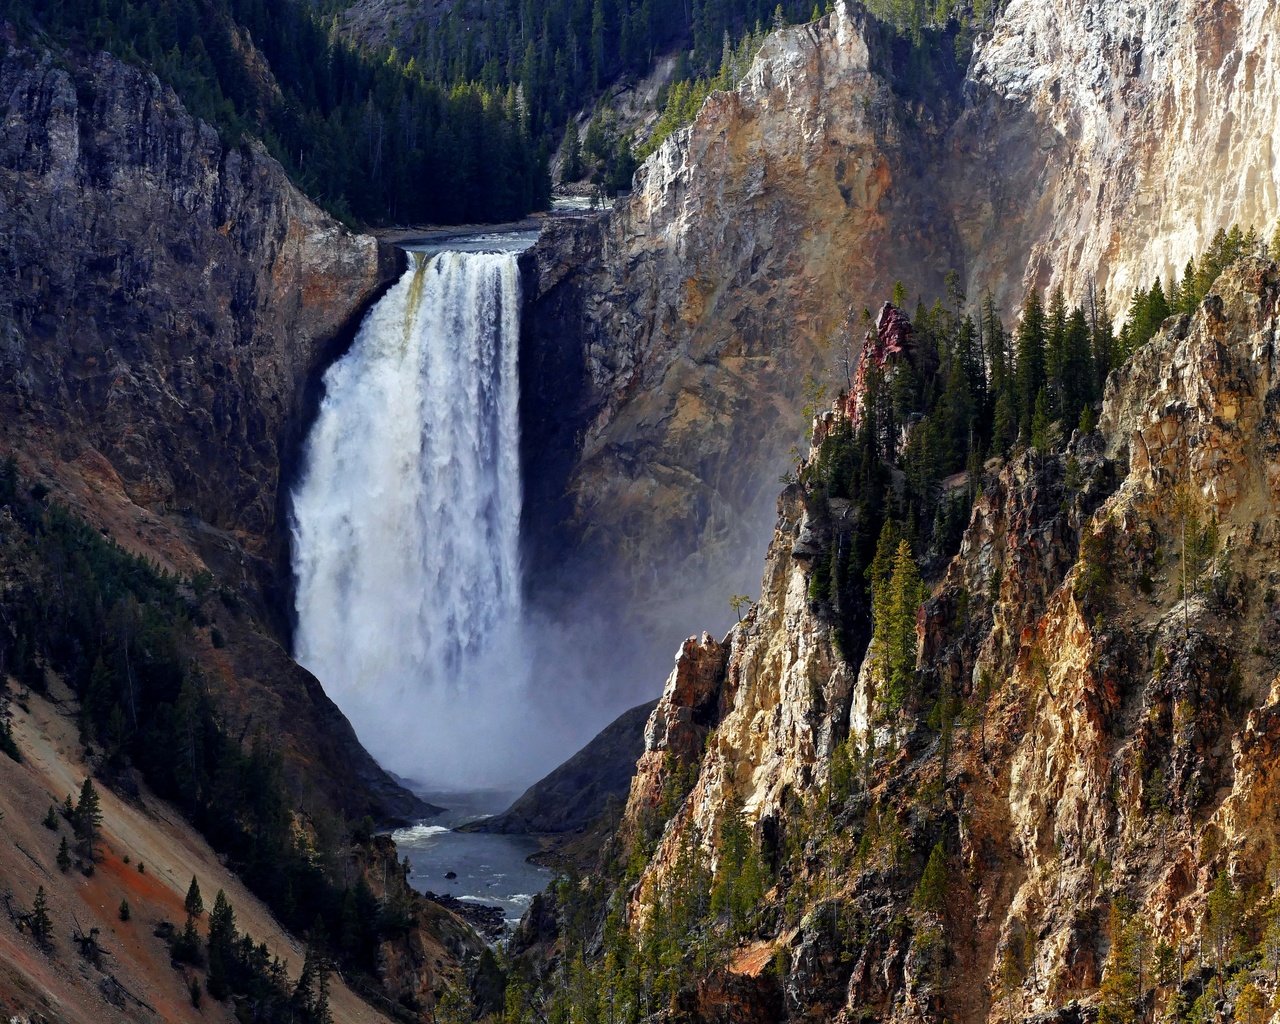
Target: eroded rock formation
{"x": 1108, "y": 628}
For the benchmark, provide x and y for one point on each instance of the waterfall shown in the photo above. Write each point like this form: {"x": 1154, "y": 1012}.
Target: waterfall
{"x": 406, "y": 524}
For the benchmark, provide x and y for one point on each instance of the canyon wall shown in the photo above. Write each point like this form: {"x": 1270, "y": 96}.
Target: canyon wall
{"x": 1108, "y": 631}
{"x": 668, "y": 343}
{"x": 1104, "y": 145}
{"x": 167, "y": 302}
{"x": 166, "y": 297}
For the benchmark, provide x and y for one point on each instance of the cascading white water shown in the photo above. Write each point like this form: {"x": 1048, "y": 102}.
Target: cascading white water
{"x": 406, "y": 524}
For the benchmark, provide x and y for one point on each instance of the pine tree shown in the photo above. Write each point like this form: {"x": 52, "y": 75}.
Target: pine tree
{"x": 895, "y": 633}
{"x": 64, "y": 856}
{"x": 40, "y": 923}
{"x": 1041, "y": 423}
{"x": 194, "y": 904}
{"x": 995, "y": 344}
{"x": 186, "y": 946}
{"x": 880, "y": 570}
{"x": 572, "y": 149}
{"x": 1123, "y": 982}
{"x": 8, "y": 745}
{"x": 1271, "y": 948}
{"x": 1102, "y": 339}
{"x": 1004, "y": 423}
{"x": 931, "y": 894}
{"x": 1222, "y": 925}
{"x": 1157, "y": 307}
{"x": 1079, "y": 376}
{"x": 222, "y": 940}
{"x": 322, "y": 1014}
{"x": 311, "y": 994}
{"x": 1056, "y": 353}
{"x": 124, "y": 910}
{"x": 87, "y": 818}
{"x": 1187, "y": 298}
{"x": 1029, "y": 372}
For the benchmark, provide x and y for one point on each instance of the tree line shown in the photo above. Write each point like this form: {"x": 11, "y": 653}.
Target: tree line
{"x": 971, "y": 389}
{"x": 371, "y": 137}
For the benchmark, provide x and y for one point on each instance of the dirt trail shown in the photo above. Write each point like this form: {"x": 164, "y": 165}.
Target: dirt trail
{"x": 64, "y": 986}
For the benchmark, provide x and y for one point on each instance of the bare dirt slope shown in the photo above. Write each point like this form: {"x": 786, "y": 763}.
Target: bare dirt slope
{"x": 136, "y": 981}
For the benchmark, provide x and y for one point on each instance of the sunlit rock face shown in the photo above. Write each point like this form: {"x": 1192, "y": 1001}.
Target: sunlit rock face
{"x": 1106, "y": 143}
{"x": 1093, "y": 146}
{"x": 1122, "y": 722}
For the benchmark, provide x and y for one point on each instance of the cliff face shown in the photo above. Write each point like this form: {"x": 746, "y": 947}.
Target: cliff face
{"x": 1108, "y": 630}
{"x": 698, "y": 307}
{"x": 166, "y": 298}
{"x": 165, "y": 303}
{"x": 1087, "y": 147}
{"x": 1125, "y": 135}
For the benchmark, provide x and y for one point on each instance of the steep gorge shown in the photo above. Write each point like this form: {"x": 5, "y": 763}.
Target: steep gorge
{"x": 1110, "y": 756}
{"x": 160, "y": 389}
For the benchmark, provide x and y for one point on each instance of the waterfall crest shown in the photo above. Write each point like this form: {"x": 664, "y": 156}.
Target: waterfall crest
{"x": 406, "y": 524}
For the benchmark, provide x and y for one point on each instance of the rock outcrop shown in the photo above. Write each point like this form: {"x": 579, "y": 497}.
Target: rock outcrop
{"x": 578, "y": 792}
{"x": 1108, "y": 630}
{"x": 1124, "y": 135}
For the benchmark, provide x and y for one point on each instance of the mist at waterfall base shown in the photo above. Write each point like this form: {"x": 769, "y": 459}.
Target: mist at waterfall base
{"x": 406, "y": 541}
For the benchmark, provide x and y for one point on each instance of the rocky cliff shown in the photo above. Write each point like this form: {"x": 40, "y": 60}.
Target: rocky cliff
{"x": 1096, "y": 148}
{"x": 167, "y": 298}
{"x": 167, "y": 302}
{"x": 1125, "y": 136}
{"x": 696, "y": 309}
{"x": 1078, "y": 814}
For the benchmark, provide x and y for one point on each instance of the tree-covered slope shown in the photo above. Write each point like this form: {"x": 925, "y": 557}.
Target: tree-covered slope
{"x": 369, "y": 137}
{"x": 563, "y": 56}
